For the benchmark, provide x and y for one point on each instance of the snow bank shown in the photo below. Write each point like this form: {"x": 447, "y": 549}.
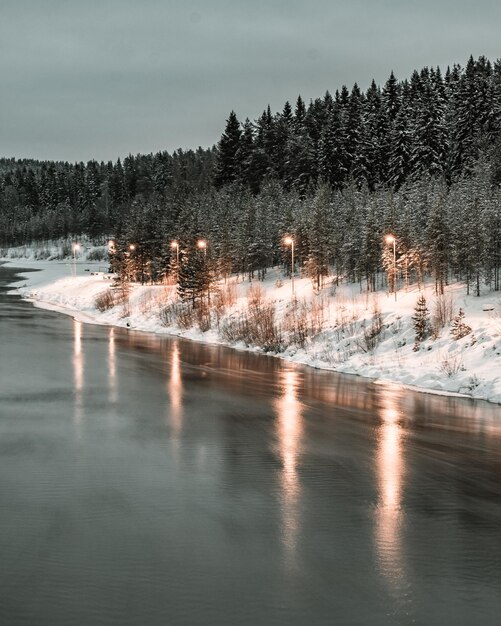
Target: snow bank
{"x": 470, "y": 366}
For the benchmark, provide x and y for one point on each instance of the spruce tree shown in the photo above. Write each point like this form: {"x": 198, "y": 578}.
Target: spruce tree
{"x": 227, "y": 164}
{"x": 421, "y": 321}
{"x": 459, "y": 327}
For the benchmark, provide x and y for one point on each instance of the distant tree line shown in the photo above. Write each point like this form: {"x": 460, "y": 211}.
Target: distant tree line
{"x": 420, "y": 158}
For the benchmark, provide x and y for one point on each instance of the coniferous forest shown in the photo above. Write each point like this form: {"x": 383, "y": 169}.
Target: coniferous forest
{"x": 419, "y": 158}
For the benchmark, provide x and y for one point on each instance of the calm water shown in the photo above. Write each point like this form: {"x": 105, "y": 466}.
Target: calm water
{"x": 148, "y": 480}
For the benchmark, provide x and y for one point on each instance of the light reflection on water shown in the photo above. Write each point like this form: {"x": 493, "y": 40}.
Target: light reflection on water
{"x": 112, "y": 368}
{"x": 78, "y": 373}
{"x": 289, "y": 434}
{"x": 390, "y": 479}
{"x": 175, "y": 393}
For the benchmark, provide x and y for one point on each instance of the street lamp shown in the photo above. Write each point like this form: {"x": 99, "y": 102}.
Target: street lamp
{"x": 75, "y": 247}
{"x": 289, "y": 241}
{"x": 175, "y": 244}
{"x": 131, "y": 270}
{"x": 392, "y": 240}
{"x": 202, "y": 245}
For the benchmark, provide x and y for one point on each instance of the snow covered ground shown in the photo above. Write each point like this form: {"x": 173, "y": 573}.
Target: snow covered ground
{"x": 469, "y": 366}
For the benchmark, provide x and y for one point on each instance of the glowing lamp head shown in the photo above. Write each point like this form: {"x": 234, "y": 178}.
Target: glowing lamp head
{"x": 288, "y": 241}
{"x": 132, "y": 247}
{"x": 202, "y": 244}
{"x": 76, "y": 246}
{"x": 174, "y": 244}
{"x": 389, "y": 239}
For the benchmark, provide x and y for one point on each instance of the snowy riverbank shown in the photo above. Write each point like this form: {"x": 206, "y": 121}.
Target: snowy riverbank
{"x": 470, "y": 366}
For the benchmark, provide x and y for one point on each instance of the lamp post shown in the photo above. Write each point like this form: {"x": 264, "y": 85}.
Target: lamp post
{"x": 175, "y": 245}
{"x": 391, "y": 239}
{"x": 289, "y": 241}
{"x": 202, "y": 245}
{"x": 132, "y": 273}
{"x": 75, "y": 247}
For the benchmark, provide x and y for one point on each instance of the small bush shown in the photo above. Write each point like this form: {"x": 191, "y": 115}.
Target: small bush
{"x": 295, "y": 323}
{"x": 234, "y": 330}
{"x": 443, "y": 308}
{"x": 105, "y": 300}
{"x": 256, "y": 327}
{"x": 451, "y": 364}
{"x": 203, "y": 317}
{"x": 372, "y": 333}
{"x": 178, "y": 314}
{"x": 255, "y": 295}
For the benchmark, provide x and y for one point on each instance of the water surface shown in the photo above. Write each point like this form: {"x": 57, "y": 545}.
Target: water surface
{"x": 150, "y": 480}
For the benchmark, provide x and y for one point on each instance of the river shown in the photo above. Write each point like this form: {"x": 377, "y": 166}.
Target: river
{"x": 150, "y": 480}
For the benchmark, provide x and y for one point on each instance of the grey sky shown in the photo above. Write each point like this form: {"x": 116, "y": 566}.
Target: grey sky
{"x": 99, "y": 79}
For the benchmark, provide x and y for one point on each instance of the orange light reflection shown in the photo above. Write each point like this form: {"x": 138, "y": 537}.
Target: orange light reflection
{"x": 78, "y": 371}
{"x": 112, "y": 367}
{"x": 175, "y": 391}
{"x": 390, "y": 475}
{"x": 289, "y": 433}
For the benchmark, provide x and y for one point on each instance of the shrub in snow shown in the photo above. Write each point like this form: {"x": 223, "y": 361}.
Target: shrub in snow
{"x": 372, "y": 333}
{"x": 459, "y": 328}
{"x": 203, "y": 317}
{"x": 105, "y": 300}
{"x": 451, "y": 364}
{"x": 256, "y": 327}
{"x": 442, "y": 313}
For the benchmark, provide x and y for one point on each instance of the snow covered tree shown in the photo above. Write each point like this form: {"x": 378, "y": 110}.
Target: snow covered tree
{"x": 421, "y": 321}
{"x": 196, "y": 277}
{"x": 459, "y": 327}
{"x": 227, "y": 165}
{"x": 319, "y": 242}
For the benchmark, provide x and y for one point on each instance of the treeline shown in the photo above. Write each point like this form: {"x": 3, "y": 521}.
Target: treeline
{"x": 450, "y": 232}
{"x": 420, "y": 158}
{"x": 46, "y": 200}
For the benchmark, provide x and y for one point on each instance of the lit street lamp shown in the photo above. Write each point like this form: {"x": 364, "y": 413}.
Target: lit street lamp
{"x": 175, "y": 245}
{"x": 392, "y": 240}
{"x": 289, "y": 241}
{"x": 202, "y": 245}
{"x": 131, "y": 270}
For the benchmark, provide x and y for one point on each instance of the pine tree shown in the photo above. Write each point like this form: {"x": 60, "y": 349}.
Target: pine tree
{"x": 421, "y": 321}
{"x": 227, "y": 165}
{"x": 331, "y": 156}
{"x": 400, "y": 150}
{"x": 438, "y": 244}
{"x": 319, "y": 239}
{"x": 459, "y": 327}
{"x": 196, "y": 277}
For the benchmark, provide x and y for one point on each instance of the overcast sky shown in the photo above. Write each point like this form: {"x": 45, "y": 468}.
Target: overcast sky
{"x": 103, "y": 78}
